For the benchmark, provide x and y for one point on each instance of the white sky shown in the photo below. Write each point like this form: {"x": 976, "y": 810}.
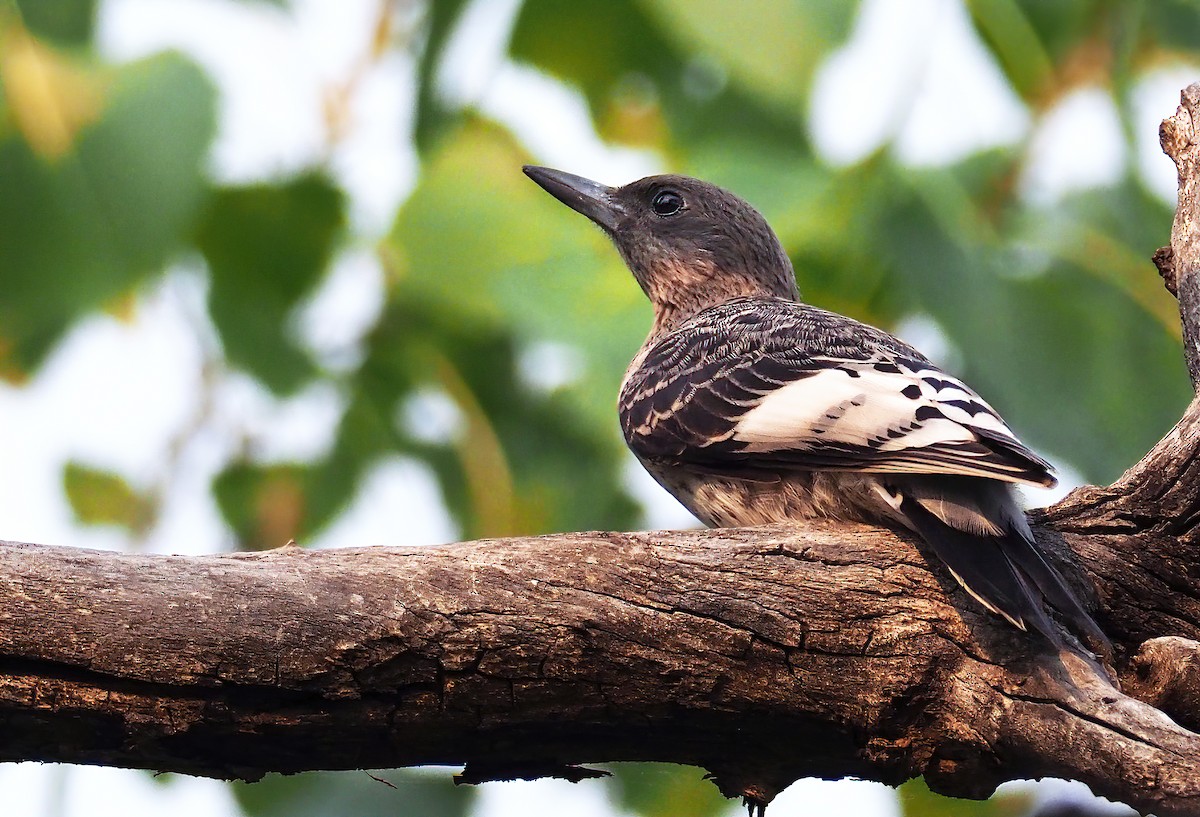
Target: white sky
{"x": 933, "y": 92}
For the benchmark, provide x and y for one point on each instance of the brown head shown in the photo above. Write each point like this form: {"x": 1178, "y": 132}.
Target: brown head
{"x": 690, "y": 244}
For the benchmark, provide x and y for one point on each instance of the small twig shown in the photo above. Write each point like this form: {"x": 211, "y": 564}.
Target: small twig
{"x": 378, "y": 779}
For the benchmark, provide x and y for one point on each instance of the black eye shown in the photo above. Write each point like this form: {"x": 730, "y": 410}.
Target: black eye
{"x": 667, "y": 203}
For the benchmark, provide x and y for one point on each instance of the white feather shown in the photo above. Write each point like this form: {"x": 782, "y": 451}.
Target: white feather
{"x": 833, "y": 406}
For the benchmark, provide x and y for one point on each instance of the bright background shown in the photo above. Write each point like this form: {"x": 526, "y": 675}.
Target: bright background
{"x": 269, "y": 270}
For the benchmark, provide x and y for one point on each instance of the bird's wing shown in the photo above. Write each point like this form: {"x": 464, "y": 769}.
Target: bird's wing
{"x": 768, "y": 395}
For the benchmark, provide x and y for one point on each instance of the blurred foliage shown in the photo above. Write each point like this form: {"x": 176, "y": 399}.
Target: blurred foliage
{"x": 665, "y": 790}
{"x": 102, "y": 171}
{"x": 266, "y": 247}
{"x": 1053, "y": 309}
{"x": 66, "y": 21}
{"x": 101, "y": 498}
{"x": 361, "y": 794}
{"x": 916, "y": 800}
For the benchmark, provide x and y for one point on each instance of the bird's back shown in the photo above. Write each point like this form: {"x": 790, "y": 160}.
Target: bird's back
{"x": 768, "y": 385}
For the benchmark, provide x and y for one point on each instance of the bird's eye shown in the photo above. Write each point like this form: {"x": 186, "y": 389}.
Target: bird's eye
{"x": 667, "y": 203}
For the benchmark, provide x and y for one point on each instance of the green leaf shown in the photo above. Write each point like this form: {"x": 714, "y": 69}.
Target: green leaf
{"x": 597, "y": 45}
{"x": 102, "y": 498}
{"x": 916, "y": 800}
{"x": 365, "y": 434}
{"x": 337, "y": 794}
{"x": 1174, "y": 24}
{"x": 486, "y": 265}
{"x": 665, "y": 790}
{"x": 515, "y": 466}
{"x": 80, "y": 229}
{"x": 266, "y": 505}
{"x": 646, "y": 81}
{"x": 269, "y": 504}
{"x": 267, "y": 247}
{"x": 480, "y": 238}
{"x": 1047, "y": 47}
{"x": 69, "y": 22}
{"x": 1062, "y": 25}
{"x": 1008, "y": 31}
{"x": 771, "y": 47}
{"x": 431, "y": 117}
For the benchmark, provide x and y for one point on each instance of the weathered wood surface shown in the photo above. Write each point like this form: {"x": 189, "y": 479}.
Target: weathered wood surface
{"x": 760, "y": 654}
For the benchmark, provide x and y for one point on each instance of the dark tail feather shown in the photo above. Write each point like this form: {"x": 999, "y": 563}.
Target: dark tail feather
{"x": 1024, "y": 552}
{"x": 984, "y": 566}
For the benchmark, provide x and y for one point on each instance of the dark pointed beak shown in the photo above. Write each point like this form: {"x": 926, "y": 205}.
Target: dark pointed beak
{"x": 594, "y": 200}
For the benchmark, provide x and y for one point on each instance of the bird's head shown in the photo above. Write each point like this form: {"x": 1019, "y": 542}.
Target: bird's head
{"x": 690, "y": 244}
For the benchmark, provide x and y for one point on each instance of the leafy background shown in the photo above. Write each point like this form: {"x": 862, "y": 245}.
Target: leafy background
{"x": 387, "y": 334}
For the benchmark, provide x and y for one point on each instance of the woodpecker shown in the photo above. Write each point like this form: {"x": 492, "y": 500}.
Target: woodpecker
{"x": 751, "y": 407}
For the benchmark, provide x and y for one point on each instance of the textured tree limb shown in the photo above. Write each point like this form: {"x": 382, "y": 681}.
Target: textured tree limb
{"x": 763, "y": 655}
{"x": 1180, "y": 136}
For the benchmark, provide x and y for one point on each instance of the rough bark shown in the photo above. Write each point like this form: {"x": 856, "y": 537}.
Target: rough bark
{"x": 763, "y": 655}
{"x": 1178, "y": 137}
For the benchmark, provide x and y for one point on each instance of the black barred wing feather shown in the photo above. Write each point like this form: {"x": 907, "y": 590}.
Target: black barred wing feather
{"x": 771, "y": 385}
{"x": 885, "y": 415}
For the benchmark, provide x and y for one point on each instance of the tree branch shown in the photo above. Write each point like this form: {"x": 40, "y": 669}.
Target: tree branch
{"x": 763, "y": 655}
{"x": 1180, "y": 139}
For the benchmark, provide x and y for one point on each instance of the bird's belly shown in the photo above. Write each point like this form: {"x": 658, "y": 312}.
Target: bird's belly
{"x": 724, "y": 502}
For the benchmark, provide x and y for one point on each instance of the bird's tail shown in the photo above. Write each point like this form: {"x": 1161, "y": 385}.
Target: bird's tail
{"x": 976, "y": 528}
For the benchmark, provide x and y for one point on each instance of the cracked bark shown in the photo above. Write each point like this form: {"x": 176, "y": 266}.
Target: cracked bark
{"x": 763, "y": 655}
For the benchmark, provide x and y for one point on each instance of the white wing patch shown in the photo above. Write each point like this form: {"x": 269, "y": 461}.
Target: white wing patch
{"x": 881, "y": 406}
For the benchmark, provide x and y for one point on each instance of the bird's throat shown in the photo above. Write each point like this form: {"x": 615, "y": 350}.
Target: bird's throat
{"x": 681, "y": 291}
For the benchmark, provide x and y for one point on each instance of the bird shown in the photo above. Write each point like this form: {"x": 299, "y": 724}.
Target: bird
{"x": 752, "y": 407}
